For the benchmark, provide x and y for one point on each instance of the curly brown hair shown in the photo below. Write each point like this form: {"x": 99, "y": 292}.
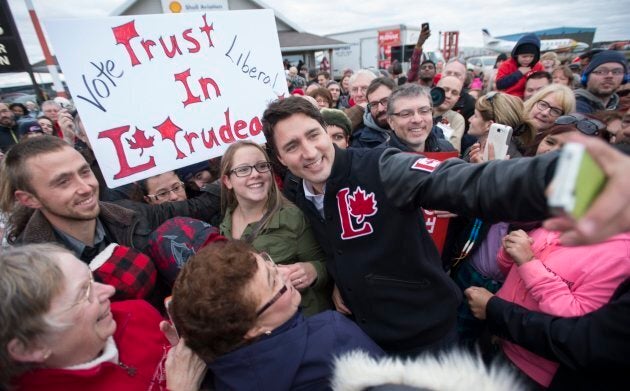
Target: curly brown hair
{"x": 213, "y": 307}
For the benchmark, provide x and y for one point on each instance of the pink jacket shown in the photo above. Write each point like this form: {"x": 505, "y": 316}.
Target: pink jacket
{"x": 561, "y": 281}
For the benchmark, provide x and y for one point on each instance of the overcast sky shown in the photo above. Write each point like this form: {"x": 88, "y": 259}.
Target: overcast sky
{"x": 500, "y": 17}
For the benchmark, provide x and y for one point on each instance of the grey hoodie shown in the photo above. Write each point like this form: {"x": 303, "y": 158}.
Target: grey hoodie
{"x": 586, "y": 102}
{"x": 370, "y": 135}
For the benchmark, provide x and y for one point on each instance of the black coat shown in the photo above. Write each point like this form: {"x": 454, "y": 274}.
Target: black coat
{"x": 381, "y": 256}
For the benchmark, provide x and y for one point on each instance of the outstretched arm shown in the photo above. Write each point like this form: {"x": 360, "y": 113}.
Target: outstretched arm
{"x": 414, "y": 62}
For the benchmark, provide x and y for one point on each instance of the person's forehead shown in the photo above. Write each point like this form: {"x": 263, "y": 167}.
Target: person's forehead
{"x": 455, "y": 66}
{"x": 450, "y": 81}
{"x": 300, "y": 122}
{"x": 362, "y": 80}
{"x": 380, "y": 92}
{"x": 537, "y": 82}
{"x": 54, "y": 162}
{"x": 4, "y": 106}
{"x": 411, "y": 102}
{"x": 334, "y": 129}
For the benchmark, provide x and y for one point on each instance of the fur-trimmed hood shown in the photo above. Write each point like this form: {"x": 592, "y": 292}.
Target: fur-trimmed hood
{"x": 456, "y": 370}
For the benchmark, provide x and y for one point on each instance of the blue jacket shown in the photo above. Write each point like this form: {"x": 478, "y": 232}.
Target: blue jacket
{"x": 296, "y": 356}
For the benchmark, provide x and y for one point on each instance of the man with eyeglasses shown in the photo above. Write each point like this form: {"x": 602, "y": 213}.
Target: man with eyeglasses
{"x": 375, "y": 130}
{"x": 410, "y": 116}
{"x": 601, "y": 79}
{"x": 364, "y": 208}
{"x": 57, "y": 201}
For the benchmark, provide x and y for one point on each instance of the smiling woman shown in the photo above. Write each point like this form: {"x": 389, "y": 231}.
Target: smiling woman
{"x": 239, "y": 312}
{"x": 60, "y": 331}
{"x": 256, "y": 212}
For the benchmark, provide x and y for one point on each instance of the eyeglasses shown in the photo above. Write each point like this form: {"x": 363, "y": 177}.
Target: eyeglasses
{"x": 586, "y": 125}
{"x": 406, "y": 114}
{"x": 177, "y": 188}
{"x": 374, "y": 105}
{"x": 554, "y": 111}
{"x": 358, "y": 89}
{"x": 243, "y": 171}
{"x": 606, "y": 71}
{"x": 87, "y": 297}
{"x": 278, "y": 295}
{"x": 427, "y": 67}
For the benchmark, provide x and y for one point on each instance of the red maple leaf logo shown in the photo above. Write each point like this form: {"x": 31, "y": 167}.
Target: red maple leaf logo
{"x": 168, "y": 129}
{"x": 140, "y": 141}
{"x": 361, "y": 204}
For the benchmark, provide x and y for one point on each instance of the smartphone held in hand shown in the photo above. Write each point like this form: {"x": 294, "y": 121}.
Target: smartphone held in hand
{"x": 576, "y": 183}
{"x": 499, "y": 137}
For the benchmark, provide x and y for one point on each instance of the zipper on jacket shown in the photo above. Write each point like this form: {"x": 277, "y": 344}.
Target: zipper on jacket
{"x": 131, "y": 371}
{"x": 374, "y": 277}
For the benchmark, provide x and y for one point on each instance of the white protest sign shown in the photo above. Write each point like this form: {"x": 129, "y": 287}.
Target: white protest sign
{"x": 159, "y": 92}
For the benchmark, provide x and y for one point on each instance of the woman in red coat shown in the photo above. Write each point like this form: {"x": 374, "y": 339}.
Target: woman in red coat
{"x": 61, "y": 332}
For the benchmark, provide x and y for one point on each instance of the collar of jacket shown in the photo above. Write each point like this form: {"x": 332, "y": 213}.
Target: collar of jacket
{"x": 39, "y": 230}
{"x": 341, "y": 165}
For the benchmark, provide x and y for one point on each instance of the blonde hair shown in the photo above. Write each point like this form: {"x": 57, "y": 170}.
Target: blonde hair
{"x": 564, "y": 94}
{"x": 508, "y": 110}
{"x": 550, "y": 56}
{"x": 275, "y": 200}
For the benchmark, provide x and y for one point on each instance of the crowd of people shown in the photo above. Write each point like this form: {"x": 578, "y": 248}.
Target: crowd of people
{"x": 281, "y": 262}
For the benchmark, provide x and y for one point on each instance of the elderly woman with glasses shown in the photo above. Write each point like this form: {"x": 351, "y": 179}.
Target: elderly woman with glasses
{"x": 255, "y": 211}
{"x": 240, "y": 313}
{"x": 59, "y": 331}
{"x": 549, "y": 103}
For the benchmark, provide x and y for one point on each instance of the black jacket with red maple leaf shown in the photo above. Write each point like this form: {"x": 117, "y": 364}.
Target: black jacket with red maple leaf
{"x": 379, "y": 252}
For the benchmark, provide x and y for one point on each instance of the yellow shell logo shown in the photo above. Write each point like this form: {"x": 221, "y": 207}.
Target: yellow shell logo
{"x": 175, "y": 7}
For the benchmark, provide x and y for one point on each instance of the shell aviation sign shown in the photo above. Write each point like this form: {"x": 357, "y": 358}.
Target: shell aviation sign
{"x": 178, "y": 6}
{"x": 159, "y": 92}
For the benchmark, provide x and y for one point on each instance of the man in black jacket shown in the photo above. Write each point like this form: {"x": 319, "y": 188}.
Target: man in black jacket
{"x": 57, "y": 196}
{"x": 364, "y": 207}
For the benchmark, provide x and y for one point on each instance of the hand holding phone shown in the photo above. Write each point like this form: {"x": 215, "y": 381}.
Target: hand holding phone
{"x": 499, "y": 137}
{"x": 425, "y": 33}
{"x": 576, "y": 183}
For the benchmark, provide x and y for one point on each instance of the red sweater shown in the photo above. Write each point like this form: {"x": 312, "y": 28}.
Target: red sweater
{"x": 142, "y": 350}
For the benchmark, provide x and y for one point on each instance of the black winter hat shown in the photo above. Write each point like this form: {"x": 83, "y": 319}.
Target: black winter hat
{"x": 604, "y": 57}
{"x": 527, "y": 48}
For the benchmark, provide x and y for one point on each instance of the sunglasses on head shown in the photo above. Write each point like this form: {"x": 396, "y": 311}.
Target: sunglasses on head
{"x": 586, "y": 125}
